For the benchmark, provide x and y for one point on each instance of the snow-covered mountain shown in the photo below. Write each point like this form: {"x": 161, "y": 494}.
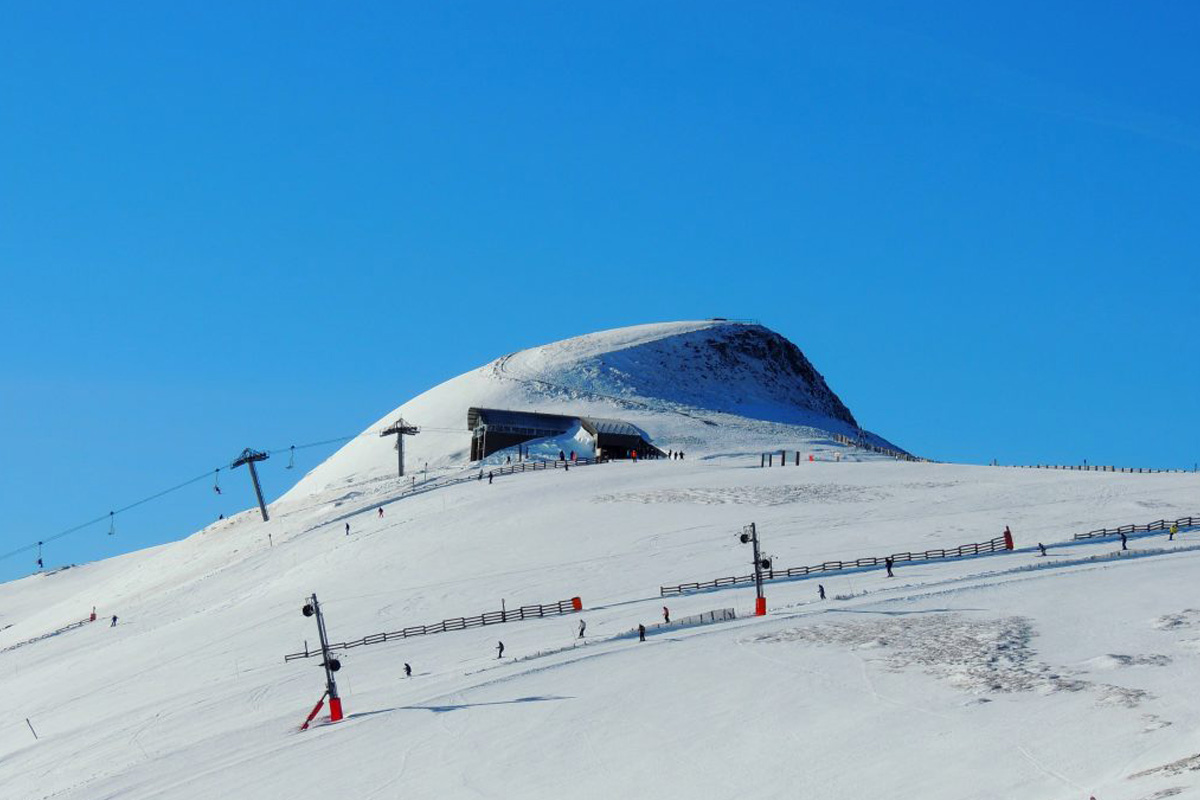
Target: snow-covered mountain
{"x": 1009, "y": 675}
{"x": 698, "y": 385}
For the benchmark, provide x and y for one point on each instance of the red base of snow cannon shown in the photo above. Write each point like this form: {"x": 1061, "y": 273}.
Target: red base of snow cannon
{"x": 335, "y": 709}
{"x": 576, "y": 604}
{"x": 760, "y": 606}
{"x": 1008, "y": 541}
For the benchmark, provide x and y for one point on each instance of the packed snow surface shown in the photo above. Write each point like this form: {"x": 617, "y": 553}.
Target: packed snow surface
{"x": 1004, "y": 676}
{"x": 684, "y": 383}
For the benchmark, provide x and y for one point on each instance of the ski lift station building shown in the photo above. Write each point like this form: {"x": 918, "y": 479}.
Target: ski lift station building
{"x": 495, "y": 429}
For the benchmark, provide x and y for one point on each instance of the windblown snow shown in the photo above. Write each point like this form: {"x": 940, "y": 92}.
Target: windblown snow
{"x": 1009, "y": 675}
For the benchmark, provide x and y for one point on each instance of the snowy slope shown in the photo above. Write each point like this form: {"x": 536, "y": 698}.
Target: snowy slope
{"x": 1007, "y": 676}
{"x": 688, "y": 384}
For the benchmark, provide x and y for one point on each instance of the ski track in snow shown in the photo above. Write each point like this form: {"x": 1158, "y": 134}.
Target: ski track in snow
{"x": 1084, "y": 662}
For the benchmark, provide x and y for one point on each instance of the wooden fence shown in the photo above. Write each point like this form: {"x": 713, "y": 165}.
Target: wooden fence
{"x": 1095, "y": 468}
{"x": 477, "y": 474}
{"x": 899, "y": 454}
{"x": 453, "y": 624}
{"x": 1159, "y": 525}
{"x": 974, "y": 549}
{"x": 63, "y": 629}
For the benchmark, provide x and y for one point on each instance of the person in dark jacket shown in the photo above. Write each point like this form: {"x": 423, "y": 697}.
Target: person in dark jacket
{"x": 1124, "y": 542}
{"x": 820, "y": 591}
{"x": 407, "y": 670}
{"x": 887, "y": 562}
{"x": 347, "y": 528}
{"x": 499, "y": 649}
{"x": 641, "y": 632}
{"x": 1042, "y": 547}
{"x": 114, "y": 622}
{"x": 666, "y": 615}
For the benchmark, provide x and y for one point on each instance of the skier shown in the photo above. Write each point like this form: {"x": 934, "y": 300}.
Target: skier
{"x": 561, "y": 456}
{"x": 508, "y": 459}
{"x": 1124, "y": 542}
{"x": 381, "y": 512}
{"x": 666, "y": 615}
{"x": 641, "y": 632}
{"x": 572, "y": 456}
{"x": 499, "y": 649}
{"x": 490, "y": 476}
{"x": 887, "y": 562}
{"x": 407, "y": 670}
{"x": 820, "y": 591}
{"x": 582, "y": 628}
{"x": 347, "y": 528}
{"x": 1042, "y": 547}
{"x": 634, "y": 454}
{"x": 1174, "y": 530}
{"x": 113, "y": 624}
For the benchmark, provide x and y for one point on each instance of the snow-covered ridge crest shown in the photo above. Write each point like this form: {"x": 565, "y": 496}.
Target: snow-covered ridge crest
{"x": 730, "y": 367}
{"x": 687, "y": 383}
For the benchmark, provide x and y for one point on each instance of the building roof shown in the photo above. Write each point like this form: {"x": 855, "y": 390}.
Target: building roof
{"x": 529, "y": 421}
{"x": 526, "y": 421}
{"x": 615, "y": 427}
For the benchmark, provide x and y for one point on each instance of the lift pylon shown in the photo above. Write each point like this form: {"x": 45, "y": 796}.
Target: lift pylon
{"x": 249, "y": 457}
{"x": 400, "y": 429}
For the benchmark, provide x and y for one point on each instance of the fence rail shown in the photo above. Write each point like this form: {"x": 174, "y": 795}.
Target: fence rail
{"x": 478, "y": 473}
{"x": 452, "y": 624}
{"x": 63, "y": 629}
{"x": 973, "y": 549}
{"x": 898, "y": 454}
{"x": 1096, "y": 468}
{"x": 1159, "y": 525}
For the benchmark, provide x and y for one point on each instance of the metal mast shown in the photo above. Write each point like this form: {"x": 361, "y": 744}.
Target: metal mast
{"x": 400, "y": 429}
{"x": 248, "y": 457}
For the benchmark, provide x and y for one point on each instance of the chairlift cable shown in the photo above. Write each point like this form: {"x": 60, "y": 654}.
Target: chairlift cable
{"x": 111, "y": 515}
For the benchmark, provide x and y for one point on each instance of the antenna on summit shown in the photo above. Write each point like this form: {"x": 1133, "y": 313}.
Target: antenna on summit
{"x": 249, "y": 456}
{"x": 400, "y": 429}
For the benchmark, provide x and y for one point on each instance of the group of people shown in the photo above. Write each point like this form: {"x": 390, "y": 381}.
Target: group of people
{"x": 1174, "y": 529}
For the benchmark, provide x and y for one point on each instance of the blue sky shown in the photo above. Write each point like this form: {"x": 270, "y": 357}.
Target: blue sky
{"x": 224, "y": 226}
